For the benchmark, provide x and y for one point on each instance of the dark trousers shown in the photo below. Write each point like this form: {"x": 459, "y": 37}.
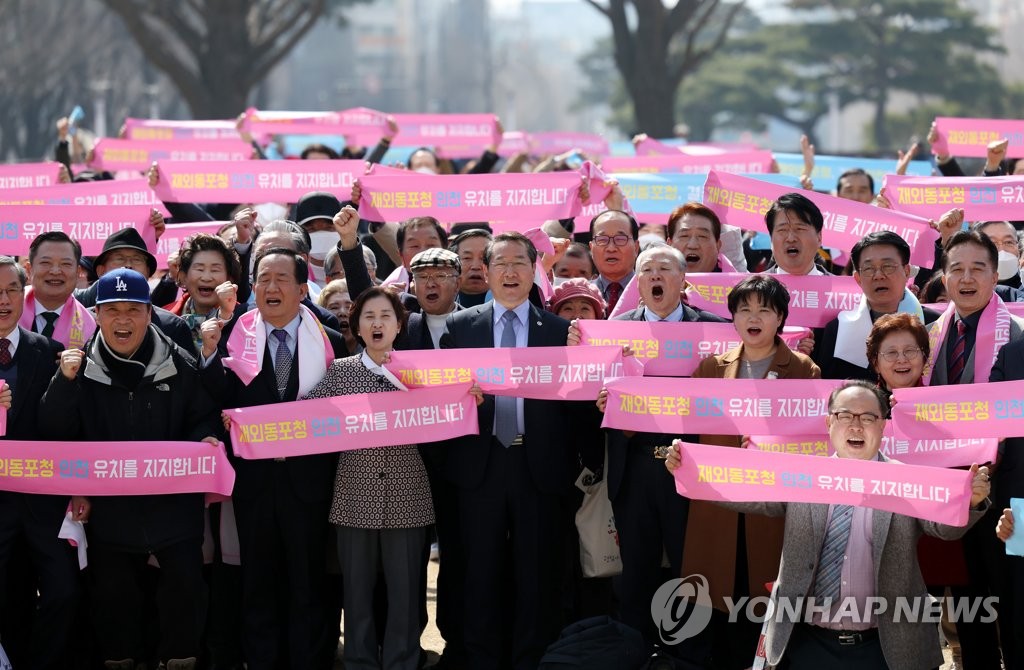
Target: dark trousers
{"x": 812, "y": 648}
{"x": 45, "y": 562}
{"x": 508, "y": 514}
{"x": 451, "y": 570}
{"x": 282, "y": 540}
{"x": 118, "y": 597}
{"x": 651, "y": 519}
{"x": 979, "y": 641}
{"x": 399, "y": 551}
{"x": 1011, "y": 611}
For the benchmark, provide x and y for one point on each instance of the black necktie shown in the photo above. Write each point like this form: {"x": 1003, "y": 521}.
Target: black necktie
{"x": 50, "y": 318}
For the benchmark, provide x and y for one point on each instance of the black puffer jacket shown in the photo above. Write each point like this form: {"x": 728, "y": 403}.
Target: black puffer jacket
{"x": 169, "y": 403}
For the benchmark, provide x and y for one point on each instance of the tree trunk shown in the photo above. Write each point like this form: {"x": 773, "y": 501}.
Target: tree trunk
{"x": 653, "y": 109}
{"x": 882, "y": 140}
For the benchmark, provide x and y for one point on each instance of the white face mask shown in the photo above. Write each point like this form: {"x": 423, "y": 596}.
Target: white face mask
{"x": 425, "y": 170}
{"x": 320, "y": 243}
{"x": 1009, "y": 265}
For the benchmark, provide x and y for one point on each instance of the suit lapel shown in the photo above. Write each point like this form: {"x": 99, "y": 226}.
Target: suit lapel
{"x": 484, "y": 322}
{"x": 880, "y": 521}
{"x": 535, "y": 334}
{"x": 819, "y": 515}
{"x": 27, "y": 359}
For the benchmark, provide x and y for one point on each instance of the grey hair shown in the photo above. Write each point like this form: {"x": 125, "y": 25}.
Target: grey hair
{"x": 10, "y": 260}
{"x": 657, "y": 249}
{"x": 300, "y": 238}
{"x": 332, "y": 258}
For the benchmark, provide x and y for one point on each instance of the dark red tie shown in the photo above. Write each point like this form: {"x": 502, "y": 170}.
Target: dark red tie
{"x": 5, "y": 352}
{"x": 959, "y": 357}
{"x": 614, "y": 291}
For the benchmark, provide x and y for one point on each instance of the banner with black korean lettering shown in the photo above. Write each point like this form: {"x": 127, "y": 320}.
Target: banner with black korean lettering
{"x": 360, "y": 421}
{"x": 544, "y": 373}
{"x": 718, "y": 406}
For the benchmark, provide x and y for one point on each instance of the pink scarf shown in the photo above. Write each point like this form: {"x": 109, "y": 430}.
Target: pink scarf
{"x": 74, "y": 326}
{"x": 993, "y": 333}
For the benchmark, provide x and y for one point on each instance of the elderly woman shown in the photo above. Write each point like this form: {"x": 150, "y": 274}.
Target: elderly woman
{"x": 577, "y": 299}
{"x": 206, "y": 263}
{"x": 739, "y": 553}
{"x": 335, "y": 299}
{"x": 382, "y": 504}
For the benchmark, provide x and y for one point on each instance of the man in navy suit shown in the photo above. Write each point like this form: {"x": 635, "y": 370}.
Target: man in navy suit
{"x": 27, "y": 363}
{"x": 511, "y": 476}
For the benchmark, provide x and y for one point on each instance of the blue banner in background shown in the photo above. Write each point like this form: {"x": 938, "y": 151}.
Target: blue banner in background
{"x": 828, "y": 168}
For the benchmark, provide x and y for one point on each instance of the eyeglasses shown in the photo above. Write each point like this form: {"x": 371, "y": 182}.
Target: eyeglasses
{"x": 894, "y": 355}
{"x": 887, "y": 269}
{"x": 438, "y": 278}
{"x": 617, "y": 240}
{"x": 864, "y": 418}
{"x": 11, "y": 293}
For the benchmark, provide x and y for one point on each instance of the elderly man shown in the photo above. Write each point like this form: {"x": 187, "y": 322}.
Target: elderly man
{"x": 280, "y": 504}
{"x": 50, "y": 307}
{"x": 881, "y": 267}
{"x": 613, "y": 247}
{"x": 470, "y": 245}
{"x": 794, "y": 224}
{"x": 1004, "y": 236}
{"x": 841, "y": 552}
{"x": 27, "y": 363}
{"x": 132, "y": 384}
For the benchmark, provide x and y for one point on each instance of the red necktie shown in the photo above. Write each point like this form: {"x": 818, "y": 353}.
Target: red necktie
{"x": 614, "y": 291}
{"x": 5, "y": 352}
{"x": 959, "y": 357}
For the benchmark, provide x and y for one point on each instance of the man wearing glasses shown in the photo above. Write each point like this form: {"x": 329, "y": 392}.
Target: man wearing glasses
{"x": 881, "y": 266}
{"x": 613, "y": 246}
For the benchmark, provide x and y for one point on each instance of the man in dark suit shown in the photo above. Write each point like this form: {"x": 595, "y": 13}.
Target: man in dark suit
{"x": 511, "y": 476}
{"x": 649, "y": 514}
{"x": 280, "y": 504}
{"x": 27, "y": 363}
{"x": 881, "y": 266}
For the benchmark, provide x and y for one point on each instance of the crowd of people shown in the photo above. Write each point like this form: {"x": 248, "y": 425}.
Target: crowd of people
{"x": 113, "y": 348}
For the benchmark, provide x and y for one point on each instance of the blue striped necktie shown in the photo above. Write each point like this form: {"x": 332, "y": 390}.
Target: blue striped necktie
{"x": 833, "y": 552}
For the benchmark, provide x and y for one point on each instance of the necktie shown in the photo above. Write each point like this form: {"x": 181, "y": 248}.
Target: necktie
{"x": 5, "y": 352}
{"x": 830, "y": 565}
{"x": 506, "y": 425}
{"x": 958, "y": 359}
{"x": 51, "y": 319}
{"x": 282, "y": 361}
{"x": 614, "y": 291}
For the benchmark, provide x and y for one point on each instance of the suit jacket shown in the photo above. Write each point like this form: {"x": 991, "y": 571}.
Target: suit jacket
{"x": 894, "y": 549}
{"x": 940, "y": 375}
{"x": 711, "y": 530}
{"x": 617, "y": 442}
{"x": 837, "y": 368}
{"x": 1008, "y": 477}
{"x": 312, "y": 477}
{"x": 546, "y": 421}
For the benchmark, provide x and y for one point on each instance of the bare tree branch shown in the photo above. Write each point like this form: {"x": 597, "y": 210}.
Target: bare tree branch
{"x": 604, "y": 10}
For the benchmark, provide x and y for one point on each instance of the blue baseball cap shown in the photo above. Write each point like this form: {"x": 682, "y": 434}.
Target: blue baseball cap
{"x": 122, "y": 285}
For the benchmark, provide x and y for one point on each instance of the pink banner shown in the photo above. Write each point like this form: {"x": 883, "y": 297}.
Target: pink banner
{"x": 981, "y": 198}
{"x": 28, "y": 175}
{"x": 544, "y": 373}
{"x": 947, "y": 453}
{"x": 745, "y": 162}
{"x": 255, "y": 180}
{"x": 114, "y": 154}
{"x": 176, "y": 233}
{"x": 114, "y": 468}
{"x": 358, "y": 125}
{"x": 671, "y": 349}
{"x": 165, "y": 129}
{"x": 87, "y": 194}
{"x": 718, "y": 406}
{"x": 545, "y": 144}
{"x": 748, "y": 475}
{"x": 360, "y": 421}
{"x": 514, "y": 142}
{"x": 742, "y": 202}
{"x": 90, "y": 226}
{"x": 971, "y": 137}
{"x": 994, "y": 409}
{"x": 455, "y": 198}
{"x": 453, "y": 135}
{"x": 652, "y": 147}
{"x": 814, "y": 300}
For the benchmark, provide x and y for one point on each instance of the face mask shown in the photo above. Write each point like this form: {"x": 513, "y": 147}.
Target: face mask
{"x": 558, "y": 281}
{"x": 1009, "y": 265}
{"x": 321, "y": 242}
{"x": 319, "y": 276}
{"x": 424, "y": 170}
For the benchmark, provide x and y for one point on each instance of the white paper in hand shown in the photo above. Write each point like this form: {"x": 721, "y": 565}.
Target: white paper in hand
{"x": 74, "y": 532}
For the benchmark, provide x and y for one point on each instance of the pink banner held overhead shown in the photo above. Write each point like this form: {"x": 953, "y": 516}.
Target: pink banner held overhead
{"x": 742, "y": 202}
{"x": 543, "y": 373}
{"x": 453, "y": 135}
{"x": 718, "y": 406}
{"x": 28, "y": 175}
{"x": 671, "y": 349}
{"x": 90, "y": 226}
{"x": 165, "y": 129}
{"x": 745, "y": 162}
{"x": 546, "y": 144}
{"x": 940, "y": 453}
{"x": 514, "y": 142}
{"x": 814, "y": 300}
{"x": 114, "y": 468}
{"x": 457, "y": 198}
{"x": 255, "y": 180}
{"x": 981, "y": 198}
{"x": 114, "y": 154}
{"x": 361, "y": 421}
{"x": 748, "y": 475}
{"x": 971, "y": 137}
{"x": 993, "y": 409}
{"x": 118, "y": 193}
{"x": 358, "y": 125}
